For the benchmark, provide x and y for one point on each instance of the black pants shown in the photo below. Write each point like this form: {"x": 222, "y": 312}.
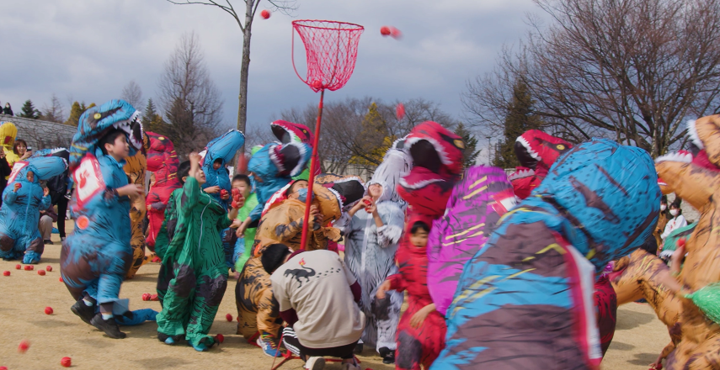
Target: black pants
{"x": 62, "y": 211}
{"x": 293, "y": 345}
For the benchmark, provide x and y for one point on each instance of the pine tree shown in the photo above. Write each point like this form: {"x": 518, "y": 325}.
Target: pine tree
{"x": 520, "y": 118}
{"x": 373, "y": 140}
{"x": 76, "y": 111}
{"x": 29, "y": 110}
{"x": 152, "y": 121}
{"x": 470, "y": 153}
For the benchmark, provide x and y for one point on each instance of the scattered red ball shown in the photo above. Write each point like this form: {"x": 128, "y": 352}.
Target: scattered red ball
{"x": 18, "y": 267}
{"x": 66, "y": 362}
{"x": 154, "y": 297}
{"x": 395, "y": 33}
{"x": 6, "y": 273}
{"x": 265, "y": 14}
{"x": 48, "y": 310}
{"x": 317, "y": 84}
{"x": 3, "y": 368}
{"x": 156, "y": 259}
{"x": 24, "y": 345}
{"x": 48, "y": 269}
{"x": 41, "y": 272}
{"x": 61, "y": 280}
{"x": 400, "y": 111}
{"x": 146, "y": 296}
{"x": 229, "y": 317}
{"x": 385, "y": 30}
{"x": 29, "y": 267}
{"x": 220, "y": 338}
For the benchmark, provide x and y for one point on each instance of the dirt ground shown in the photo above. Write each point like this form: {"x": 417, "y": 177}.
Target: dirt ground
{"x": 24, "y": 295}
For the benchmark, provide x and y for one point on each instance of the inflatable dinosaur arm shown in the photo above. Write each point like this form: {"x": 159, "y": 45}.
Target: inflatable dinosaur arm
{"x": 10, "y": 196}
{"x": 46, "y": 202}
{"x": 397, "y": 283}
{"x": 705, "y": 134}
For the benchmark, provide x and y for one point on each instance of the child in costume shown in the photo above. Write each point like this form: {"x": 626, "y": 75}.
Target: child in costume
{"x": 135, "y": 168}
{"x": 243, "y": 245}
{"x": 162, "y": 161}
{"x": 23, "y": 199}
{"x": 97, "y": 255}
{"x": 219, "y": 152}
{"x": 193, "y": 263}
{"x": 8, "y": 131}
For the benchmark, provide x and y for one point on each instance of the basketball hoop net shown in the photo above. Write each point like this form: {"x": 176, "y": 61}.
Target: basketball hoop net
{"x": 331, "y": 52}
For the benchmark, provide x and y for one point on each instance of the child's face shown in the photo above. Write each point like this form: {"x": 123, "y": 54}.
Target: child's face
{"x": 243, "y": 187}
{"x": 375, "y": 190}
{"x": 300, "y": 184}
{"x": 201, "y": 179}
{"x": 119, "y": 149}
{"x": 217, "y": 165}
{"x": 30, "y": 176}
{"x": 419, "y": 239}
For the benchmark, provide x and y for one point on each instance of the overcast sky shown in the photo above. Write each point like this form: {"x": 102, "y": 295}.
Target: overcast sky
{"x": 88, "y": 50}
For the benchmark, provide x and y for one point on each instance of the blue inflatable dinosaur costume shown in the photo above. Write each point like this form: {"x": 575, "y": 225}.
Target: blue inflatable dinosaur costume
{"x": 524, "y": 301}
{"x": 273, "y": 167}
{"x": 223, "y": 149}
{"x": 97, "y": 255}
{"x": 23, "y": 198}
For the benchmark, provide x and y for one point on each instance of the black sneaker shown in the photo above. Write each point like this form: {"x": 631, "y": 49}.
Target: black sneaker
{"x": 85, "y": 312}
{"x": 358, "y": 349}
{"x": 388, "y": 355}
{"x": 109, "y": 326}
{"x": 48, "y": 242}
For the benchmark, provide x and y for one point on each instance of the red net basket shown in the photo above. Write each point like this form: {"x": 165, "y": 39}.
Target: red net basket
{"x": 331, "y": 51}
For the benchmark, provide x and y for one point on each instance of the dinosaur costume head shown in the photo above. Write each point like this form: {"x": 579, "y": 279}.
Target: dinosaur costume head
{"x": 535, "y": 148}
{"x": 160, "y": 152}
{"x": 437, "y": 163}
{"x": 288, "y": 132}
{"x": 279, "y": 160}
{"x": 8, "y": 132}
{"x": 96, "y": 122}
{"x": 396, "y": 164}
{"x": 223, "y": 147}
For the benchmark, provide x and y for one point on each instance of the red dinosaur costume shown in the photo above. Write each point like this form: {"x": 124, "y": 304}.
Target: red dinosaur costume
{"x": 536, "y": 151}
{"x": 437, "y": 157}
{"x": 163, "y": 162}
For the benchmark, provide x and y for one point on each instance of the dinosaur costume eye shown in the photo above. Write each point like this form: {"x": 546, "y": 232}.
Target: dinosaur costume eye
{"x": 459, "y": 144}
{"x": 560, "y": 147}
{"x": 97, "y": 116}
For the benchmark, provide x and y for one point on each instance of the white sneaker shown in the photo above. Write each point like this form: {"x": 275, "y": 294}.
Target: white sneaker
{"x": 315, "y": 363}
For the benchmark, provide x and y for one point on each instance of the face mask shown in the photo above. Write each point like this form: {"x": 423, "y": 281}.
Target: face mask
{"x": 674, "y": 212}
{"x": 302, "y": 194}
{"x": 663, "y": 207}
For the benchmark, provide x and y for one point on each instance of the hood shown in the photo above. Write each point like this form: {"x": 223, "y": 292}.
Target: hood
{"x": 694, "y": 178}
{"x": 396, "y": 164}
{"x": 474, "y": 208}
{"x": 287, "y": 132}
{"x": 224, "y": 147}
{"x": 279, "y": 160}
{"x": 602, "y": 197}
{"x": 437, "y": 162}
{"x": 536, "y": 147}
{"x": 96, "y": 122}
{"x": 349, "y": 189}
{"x": 8, "y": 133}
{"x": 44, "y": 168}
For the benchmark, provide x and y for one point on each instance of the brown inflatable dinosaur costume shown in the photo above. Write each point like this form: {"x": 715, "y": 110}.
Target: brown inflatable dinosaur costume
{"x": 639, "y": 275}
{"x": 696, "y": 179}
{"x": 135, "y": 167}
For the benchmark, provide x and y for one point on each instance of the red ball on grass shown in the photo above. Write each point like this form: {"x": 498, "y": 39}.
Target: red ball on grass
{"x": 6, "y": 273}
{"x": 61, "y": 280}
{"x": 220, "y": 338}
{"x": 48, "y": 269}
{"x": 265, "y": 14}
{"x": 41, "y": 272}
{"x": 229, "y": 317}
{"x": 66, "y": 362}
{"x": 18, "y": 267}
{"x": 29, "y": 268}
{"x": 48, "y": 310}
{"x": 146, "y": 296}
{"x": 3, "y": 368}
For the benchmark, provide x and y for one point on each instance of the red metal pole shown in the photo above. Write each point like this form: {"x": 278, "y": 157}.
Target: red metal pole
{"x": 311, "y": 179}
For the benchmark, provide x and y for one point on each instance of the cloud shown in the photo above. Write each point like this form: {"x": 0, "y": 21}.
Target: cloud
{"x": 87, "y": 51}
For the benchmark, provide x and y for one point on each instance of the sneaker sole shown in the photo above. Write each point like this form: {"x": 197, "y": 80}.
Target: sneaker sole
{"x": 121, "y": 336}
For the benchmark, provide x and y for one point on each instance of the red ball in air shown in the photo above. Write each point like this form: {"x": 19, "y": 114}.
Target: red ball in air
{"x": 6, "y": 273}
{"x": 385, "y": 31}
{"x": 23, "y": 346}
{"x": 317, "y": 84}
{"x": 395, "y": 33}
{"x": 48, "y": 269}
{"x": 66, "y": 362}
{"x": 220, "y": 338}
{"x": 229, "y": 317}
{"x": 48, "y": 310}
{"x": 400, "y": 111}
{"x": 41, "y": 272}
{"x": 265, "y": 14}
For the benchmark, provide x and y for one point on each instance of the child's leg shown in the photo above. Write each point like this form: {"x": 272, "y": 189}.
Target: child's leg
{"x": 386, "y": 313}
{"x": 176, "y": 303}
{"x": 208, "y": 295}
{"x": 34, "y": 250}
{"x": 7, "y": 244}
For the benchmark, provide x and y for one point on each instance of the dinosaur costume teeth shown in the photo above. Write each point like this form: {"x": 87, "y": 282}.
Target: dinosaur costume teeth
{"x": 521, "y": 174}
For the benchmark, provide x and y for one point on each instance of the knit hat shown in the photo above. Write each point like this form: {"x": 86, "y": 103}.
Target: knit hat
{"x": 274, "y": 256}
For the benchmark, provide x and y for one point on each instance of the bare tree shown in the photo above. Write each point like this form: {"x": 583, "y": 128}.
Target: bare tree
{"x": 132, "y": 94}
{"x": 189, "y": 98}
{"x": 244, "y": 21}
{"x": 54, "y": 112}
{"x": 631, "y": 70}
